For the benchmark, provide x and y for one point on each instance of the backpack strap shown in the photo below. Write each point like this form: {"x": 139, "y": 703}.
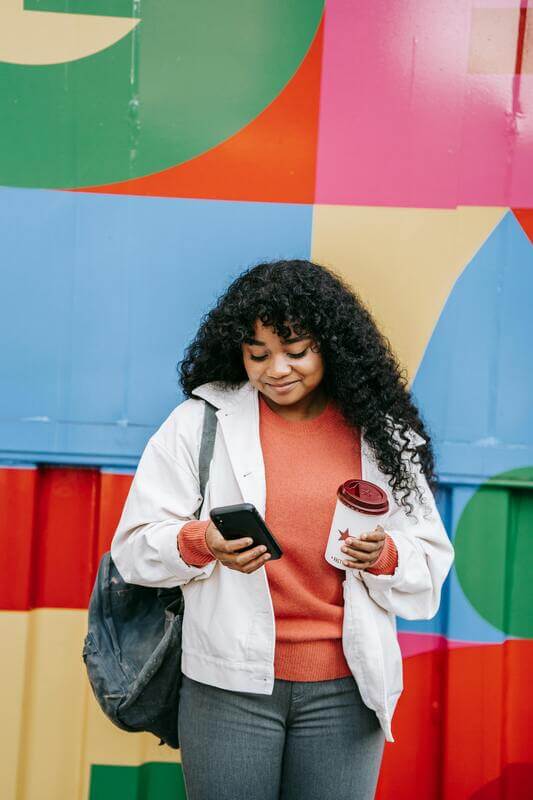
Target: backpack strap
{"x": 207, "y": 445}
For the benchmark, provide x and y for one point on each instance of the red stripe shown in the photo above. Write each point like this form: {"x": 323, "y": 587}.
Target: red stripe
{"x": 521, "y": 40}
{"x": 17, "y": 494}
{"x": 59, "y": 522}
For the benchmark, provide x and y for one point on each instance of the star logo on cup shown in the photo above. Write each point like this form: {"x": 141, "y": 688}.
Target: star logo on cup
{"x": 344, "y": 535}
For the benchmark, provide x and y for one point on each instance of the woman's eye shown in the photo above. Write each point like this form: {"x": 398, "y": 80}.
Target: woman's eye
{"x": 292, "y": 355}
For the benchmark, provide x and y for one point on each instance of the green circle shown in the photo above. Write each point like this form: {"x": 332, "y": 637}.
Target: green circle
{"x": 493, "y": 551}
{"x": 188, "y": 76}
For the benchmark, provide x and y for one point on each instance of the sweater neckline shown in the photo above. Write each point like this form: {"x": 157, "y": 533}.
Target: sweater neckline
{"x": 305, "y": 426}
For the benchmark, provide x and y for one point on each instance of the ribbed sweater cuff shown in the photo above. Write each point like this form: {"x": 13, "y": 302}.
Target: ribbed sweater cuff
{"x": 192, "y": 544}
{"x": 388, "y": 559}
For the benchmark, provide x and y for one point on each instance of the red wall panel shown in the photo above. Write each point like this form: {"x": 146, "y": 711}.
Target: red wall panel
{"x": 59, "y": 523}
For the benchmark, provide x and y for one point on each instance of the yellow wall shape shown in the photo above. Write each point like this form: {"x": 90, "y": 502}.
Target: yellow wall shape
{"x": 36, "y": 37}
{"x": 53, "y": 729}
{"x": 402, "y": 261}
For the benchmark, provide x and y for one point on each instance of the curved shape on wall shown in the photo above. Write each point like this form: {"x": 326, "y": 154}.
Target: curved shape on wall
{"x": 172, "y": 89}
{"x": 270, "y": 160}
{"x": 403, "y": 261}
{"x": 494, "y": 533}
{"x": 34, "y": 37}
{"x": 475, "y": 381}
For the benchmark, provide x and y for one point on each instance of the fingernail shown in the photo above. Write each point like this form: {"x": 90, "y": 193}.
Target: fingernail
{"x": 348, "y": 541}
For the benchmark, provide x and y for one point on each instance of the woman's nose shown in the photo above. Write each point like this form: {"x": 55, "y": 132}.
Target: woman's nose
{"x": 279, "y": 367}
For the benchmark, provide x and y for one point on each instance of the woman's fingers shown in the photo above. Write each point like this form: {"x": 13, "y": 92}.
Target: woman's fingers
{"x": 254, "y": 552}
{"x": 247, "y": 561}
{"x": 359, "y": 564}
{"x": 256, "y": 563}
{"x": 362, "y": 558}
{"x": 223, "y": 546}
{"x": 375, "y": 536}
{"x": 363, "y": 554}
{"x": 237, "y": 554}
{"x": 234, "y": 545}
{"x": 367, "y": 542}
{"x": 363, "y": 547}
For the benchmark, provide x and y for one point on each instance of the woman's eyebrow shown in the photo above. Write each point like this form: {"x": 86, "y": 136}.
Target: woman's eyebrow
{"x": 285, "y": 341}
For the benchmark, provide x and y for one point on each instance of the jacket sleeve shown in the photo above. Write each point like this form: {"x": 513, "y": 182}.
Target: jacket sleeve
{"x": 163, "y": 497}
{"x": 425, "y": 556}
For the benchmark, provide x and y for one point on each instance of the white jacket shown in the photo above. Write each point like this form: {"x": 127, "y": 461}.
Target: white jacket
{"x": 229, "y": 627}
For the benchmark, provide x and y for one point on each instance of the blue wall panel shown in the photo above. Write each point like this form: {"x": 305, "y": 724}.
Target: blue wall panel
{"x": 113, "y": 288}
{"x": 475, "y": 382}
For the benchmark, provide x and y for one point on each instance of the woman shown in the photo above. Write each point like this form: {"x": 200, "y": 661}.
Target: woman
{"x": 291, "y": 668}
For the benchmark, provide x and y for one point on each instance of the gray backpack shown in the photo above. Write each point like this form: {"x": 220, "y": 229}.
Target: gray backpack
{"x": 132, "y": 651}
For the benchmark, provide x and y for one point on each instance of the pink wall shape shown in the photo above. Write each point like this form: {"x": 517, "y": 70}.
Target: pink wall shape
{"x": 405, "y": 118}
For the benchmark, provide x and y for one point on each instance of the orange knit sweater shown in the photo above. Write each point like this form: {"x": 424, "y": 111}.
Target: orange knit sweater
{"x": 305, "y": 462}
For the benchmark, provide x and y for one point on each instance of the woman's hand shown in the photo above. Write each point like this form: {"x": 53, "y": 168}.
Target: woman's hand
{"x": 226, "y": 551}
{"x": 364, "y": 551}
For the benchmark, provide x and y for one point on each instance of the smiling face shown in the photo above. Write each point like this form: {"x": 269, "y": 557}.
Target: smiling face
{"x": 285, "y": 370}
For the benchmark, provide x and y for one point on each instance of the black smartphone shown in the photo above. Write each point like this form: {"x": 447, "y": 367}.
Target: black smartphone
{"x": 244, "y": 520}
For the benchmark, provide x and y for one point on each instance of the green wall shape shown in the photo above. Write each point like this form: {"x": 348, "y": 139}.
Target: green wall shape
{"x": 151, "y": 781}
{"x": 109, "y": 8}
{"x": 189, "y": 76}
{"x": 493, "y": 552}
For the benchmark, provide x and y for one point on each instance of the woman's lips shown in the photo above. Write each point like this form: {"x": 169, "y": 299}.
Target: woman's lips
{"x": 283, "y": 387}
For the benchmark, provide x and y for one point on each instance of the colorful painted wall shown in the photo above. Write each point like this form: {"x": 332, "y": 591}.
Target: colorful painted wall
{"x": 150, "y": 150}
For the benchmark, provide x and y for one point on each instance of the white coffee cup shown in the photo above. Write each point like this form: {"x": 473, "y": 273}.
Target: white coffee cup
{"x": 361, "y": 507}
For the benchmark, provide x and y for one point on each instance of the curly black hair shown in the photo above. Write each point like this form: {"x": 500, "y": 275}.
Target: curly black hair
{"x": 361, "y": 374}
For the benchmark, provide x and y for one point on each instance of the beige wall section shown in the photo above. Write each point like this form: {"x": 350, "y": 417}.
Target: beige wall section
{"x": 402, "y": 261}
{"x": 493, "y": 40}
{"x": 52, "y": 728}
{"x": 38, "y": 37}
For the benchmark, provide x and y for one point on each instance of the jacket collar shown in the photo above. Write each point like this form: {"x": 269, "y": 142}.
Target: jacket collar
{"x": 233, "y": 400}
{"x": 224, "y": 398}
{"x": 238, "y": 415}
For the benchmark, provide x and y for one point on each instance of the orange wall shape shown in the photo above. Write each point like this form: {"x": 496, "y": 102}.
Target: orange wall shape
{"x": 271, "y": 160}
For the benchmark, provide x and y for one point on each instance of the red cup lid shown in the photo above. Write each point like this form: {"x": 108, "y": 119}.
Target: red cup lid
{"x": 363, "y": 496}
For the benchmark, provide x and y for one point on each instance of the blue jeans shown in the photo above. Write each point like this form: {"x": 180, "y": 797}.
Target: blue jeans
{"x": 306, "y": 741}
